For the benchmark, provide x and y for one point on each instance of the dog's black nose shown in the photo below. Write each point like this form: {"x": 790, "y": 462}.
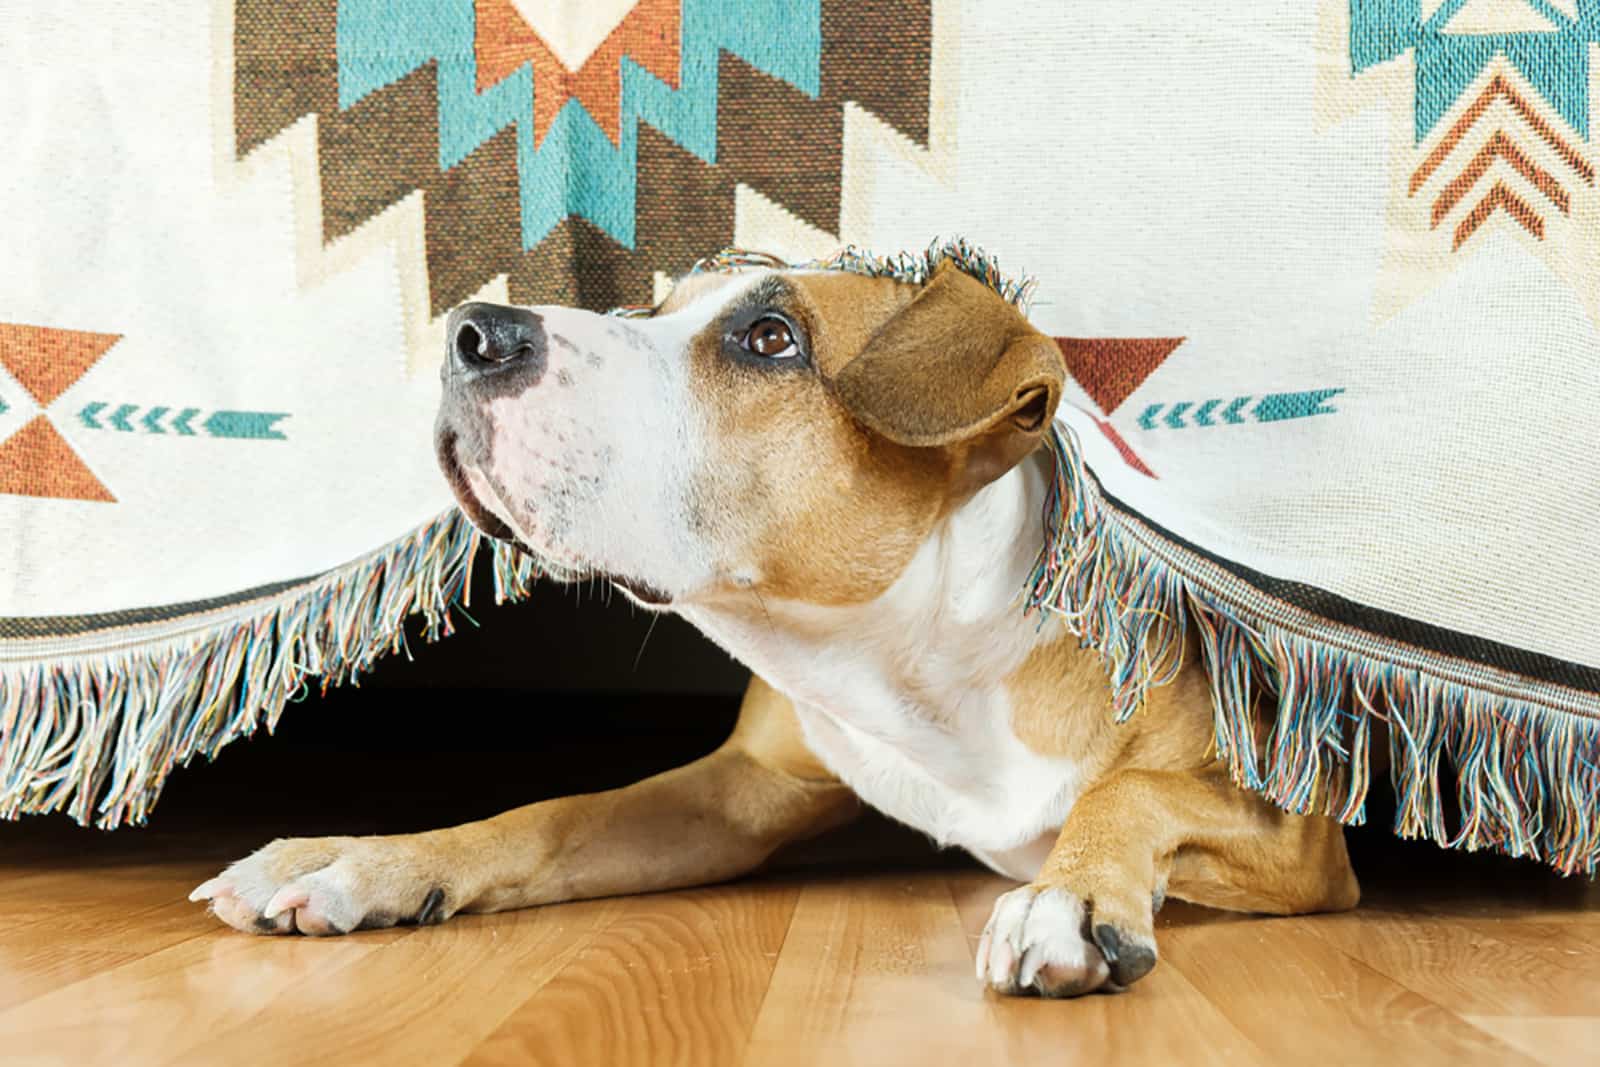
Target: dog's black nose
{"x": 489, "y": 337}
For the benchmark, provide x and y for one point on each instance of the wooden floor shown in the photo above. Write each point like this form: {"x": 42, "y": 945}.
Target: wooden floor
{"x": 856, "y": 949}
{"x": 851, "y": 959}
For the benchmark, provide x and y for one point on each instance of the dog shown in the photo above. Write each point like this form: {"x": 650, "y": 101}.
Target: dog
{"x": 839, "y": 479}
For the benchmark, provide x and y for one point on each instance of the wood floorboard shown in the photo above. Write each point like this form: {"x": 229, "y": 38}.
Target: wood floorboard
{"x": 1557, "y": 1041}
{"x": 439, "y": 991}
{"x": 873, "y": 965}
{"x": 1538, "y": 970}
{"x": 1166, "y": 1020}
{"x": 676, "y": 978}
{"x": 1292, "y": 990}
{"x": 860, "y": 953}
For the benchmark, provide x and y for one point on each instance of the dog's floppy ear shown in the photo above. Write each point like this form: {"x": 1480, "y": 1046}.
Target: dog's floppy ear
{"x": 958, "y": 364}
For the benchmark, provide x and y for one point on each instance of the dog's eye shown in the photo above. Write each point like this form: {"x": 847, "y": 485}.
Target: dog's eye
{"x": 770, "y": 337}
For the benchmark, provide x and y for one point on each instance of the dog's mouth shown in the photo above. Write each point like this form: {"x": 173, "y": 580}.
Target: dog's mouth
{"x": 493, "y": 526}
{"x": 481, "y": 517}
{"x": 643, "y": 592}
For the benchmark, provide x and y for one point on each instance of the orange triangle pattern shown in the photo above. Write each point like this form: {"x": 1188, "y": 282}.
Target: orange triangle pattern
{"x": 48, "y": 361}
{"x": 1111, "y": 368}
{"x": 648, "y": 36}
{"x": 37, "y": 461}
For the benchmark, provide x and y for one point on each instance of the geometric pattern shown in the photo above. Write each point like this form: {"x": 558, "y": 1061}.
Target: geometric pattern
{"x": 162, "y": 420}
{"x": 1109, "y": 369}
{"x": 36, "y": 460}
{"x": 1231, "y": 411}
{"x": 45, "y": 361}
{"x": 1498, "y": 119}
{"x": 1502, "y": 146}
{"x": 575, "y": 164}
{"x": 1453, "y": 41}
{"x": 505, "y": 38}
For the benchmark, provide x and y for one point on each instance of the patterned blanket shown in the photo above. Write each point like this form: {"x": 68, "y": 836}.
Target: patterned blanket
{"x": 1326, "y": 275}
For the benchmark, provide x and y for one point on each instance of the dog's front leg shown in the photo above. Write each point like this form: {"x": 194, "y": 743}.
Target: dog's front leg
{"x": 707, "y": 821}
{"x": 1087, "y": 921}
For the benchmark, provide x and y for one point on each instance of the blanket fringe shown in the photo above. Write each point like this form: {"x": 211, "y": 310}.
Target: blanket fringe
{"x": 1526, "y": 776}
{"x": 911, "y": 267}
{"x": 95, "y": 734}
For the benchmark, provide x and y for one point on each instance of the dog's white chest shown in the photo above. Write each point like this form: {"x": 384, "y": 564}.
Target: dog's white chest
{"x": 905, "y": 697}
{"x": 965, "y": 781}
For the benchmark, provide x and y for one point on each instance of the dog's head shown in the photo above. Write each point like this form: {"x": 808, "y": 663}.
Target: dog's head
{"x": 793, "y": 432}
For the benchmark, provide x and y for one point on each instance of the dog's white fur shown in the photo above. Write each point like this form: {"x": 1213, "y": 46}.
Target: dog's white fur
{"x": 612, "y": 457}
{"x": 607, "y": 454}
{"x": 912, "y": 713}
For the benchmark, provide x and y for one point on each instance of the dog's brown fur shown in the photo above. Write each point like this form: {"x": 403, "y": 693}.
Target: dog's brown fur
{"x": 917, "y": 398}
{"x": 796, "y": 528}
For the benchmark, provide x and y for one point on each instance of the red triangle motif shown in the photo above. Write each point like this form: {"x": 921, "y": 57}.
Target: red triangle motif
{"x": 37, "y": 461}
{"x": 48, "y": 361}
{"x": 1125, "y": 450}
{"x": 1111, "y": 368}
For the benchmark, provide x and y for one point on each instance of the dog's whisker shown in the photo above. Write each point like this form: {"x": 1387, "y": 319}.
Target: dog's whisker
{"x": 889, "y": 496}
{"x": 638, "y": 656}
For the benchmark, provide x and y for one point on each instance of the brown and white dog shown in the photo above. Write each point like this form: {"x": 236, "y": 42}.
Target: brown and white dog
{"x": 839, "y": 479}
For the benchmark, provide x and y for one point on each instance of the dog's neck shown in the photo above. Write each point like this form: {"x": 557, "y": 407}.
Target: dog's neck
{"x": 952, "y": 626}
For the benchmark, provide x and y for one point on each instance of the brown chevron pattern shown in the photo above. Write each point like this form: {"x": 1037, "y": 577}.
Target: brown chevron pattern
{"x": 1501, "y": 146}
{"x": 783, "y": 144}
{"x": 1499, "y": 87}
{"x": 1500, "y": 198}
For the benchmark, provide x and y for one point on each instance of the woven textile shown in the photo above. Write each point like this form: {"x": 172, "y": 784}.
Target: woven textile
{"x": 1326, "y": 275}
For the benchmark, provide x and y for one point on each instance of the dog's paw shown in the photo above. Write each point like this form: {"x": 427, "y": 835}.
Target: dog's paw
{"x": 1045, "y": 939}
{"x": 325, "y": 885}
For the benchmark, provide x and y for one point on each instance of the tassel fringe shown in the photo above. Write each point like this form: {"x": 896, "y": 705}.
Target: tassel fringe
{"x": 912, "y": 267}
{"x": 1293, "y": 716}
{"x": 96, "y": 733}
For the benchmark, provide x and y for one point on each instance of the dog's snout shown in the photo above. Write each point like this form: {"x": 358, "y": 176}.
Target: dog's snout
{"x": 489, "y": 337}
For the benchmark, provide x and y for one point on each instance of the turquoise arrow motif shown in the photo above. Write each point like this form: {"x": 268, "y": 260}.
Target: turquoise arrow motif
{"x": 1274, "y": 407}
{"x": 2, "y": 403}
{"x": 240, "y": 425}
{"x": 257, "y": 425}
{"x": 1295, "y": 405}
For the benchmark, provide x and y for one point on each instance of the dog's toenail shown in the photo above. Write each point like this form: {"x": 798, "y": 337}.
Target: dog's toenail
{"x": 1109, "y": 941}
{"x": 432, "y": 907}
{"x": 1128, "y": 959}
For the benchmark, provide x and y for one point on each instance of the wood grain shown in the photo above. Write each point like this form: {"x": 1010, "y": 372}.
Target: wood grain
{"x": 1558, "y": 1041}
{"x": 1457, "y": 963}
{"x": 1290, "y": 990}
{"x": 872, "y": 965}
{"x": 445, "y": 988}
{"x": 1166, "y": 1019}
{"x": 677, "y": 979}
